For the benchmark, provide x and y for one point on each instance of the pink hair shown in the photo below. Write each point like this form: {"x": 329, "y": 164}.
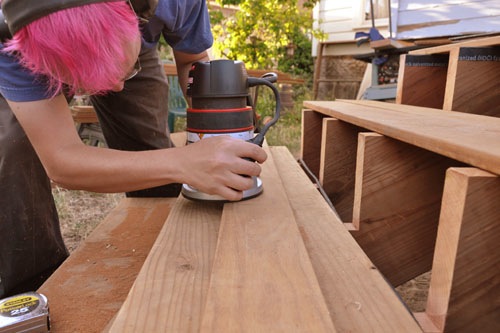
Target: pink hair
{"x": 82, "y": 47}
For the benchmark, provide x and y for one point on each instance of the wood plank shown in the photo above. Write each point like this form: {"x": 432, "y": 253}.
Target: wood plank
{"x": 389, "y": 43}
{"x": 282, "y": 77}
{"x": 171, "y": 69}
{"x": 84, "y": 114}
{"x": 310, "y": 147}
{"x": 396, "y": 205}
{"x": 473, "y": 82}
{"x": 339, "y": 144}
{"x": 469, "y": 138}
{"x": 170, "y": 290}
{"x": 88, "y": 289}
{"x": 317, "y": 68}
{"x": 422, "y": 80}
{"x": 479, "y": 42}
{"x": 262, "y": 278}
{"x": 358, "y": 297}
{"x": 465, "y": 289}
{"x": 426, "y": 323}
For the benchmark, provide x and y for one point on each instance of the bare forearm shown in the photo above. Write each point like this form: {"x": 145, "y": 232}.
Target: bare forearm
{"x": 213, "y": 165}
{"x": 106, "y": 170}
{"x": 183, "y": 63}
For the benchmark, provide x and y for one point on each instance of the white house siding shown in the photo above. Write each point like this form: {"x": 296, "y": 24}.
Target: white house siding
{"x": 410, "y": 19}
{"x": 340, "y": 20}
{"x": 433, "y": 18}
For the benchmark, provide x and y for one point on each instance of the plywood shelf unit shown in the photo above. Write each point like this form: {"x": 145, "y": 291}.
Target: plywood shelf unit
{"x": 460, "y": 77}
{"x": 418, "y": 188}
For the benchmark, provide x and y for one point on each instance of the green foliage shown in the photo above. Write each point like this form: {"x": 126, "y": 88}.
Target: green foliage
{"x": 260, "y": 32}
{"x": 164, "y": 50}
{"x": 287, "y": 131}
{"x": 300, "y": 62}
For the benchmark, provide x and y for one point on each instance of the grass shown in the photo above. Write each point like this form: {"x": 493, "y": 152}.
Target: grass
{"x": 81, "y": 211}
{"x": 287, "y": 130}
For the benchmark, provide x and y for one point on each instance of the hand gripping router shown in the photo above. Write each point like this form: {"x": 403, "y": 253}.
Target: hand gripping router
{"x": 221, "y": 105}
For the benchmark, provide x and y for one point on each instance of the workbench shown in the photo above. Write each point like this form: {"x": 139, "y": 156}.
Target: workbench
{"x": 280, "y": 262}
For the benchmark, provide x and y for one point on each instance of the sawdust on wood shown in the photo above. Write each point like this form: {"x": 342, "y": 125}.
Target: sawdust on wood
{"x": 80, "y": 212}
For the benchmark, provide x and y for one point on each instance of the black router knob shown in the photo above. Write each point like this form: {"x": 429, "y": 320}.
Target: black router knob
{"x": 218, "y": 84}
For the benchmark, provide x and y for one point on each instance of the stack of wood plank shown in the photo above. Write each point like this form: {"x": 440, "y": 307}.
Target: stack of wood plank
{"x": 281, "y": 262}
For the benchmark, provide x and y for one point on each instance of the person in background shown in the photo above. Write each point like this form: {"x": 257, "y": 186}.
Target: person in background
{"x": 108, "y": 50}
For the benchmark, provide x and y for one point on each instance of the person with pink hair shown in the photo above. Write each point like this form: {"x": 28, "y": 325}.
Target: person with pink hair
{"x": 105, "y": 48}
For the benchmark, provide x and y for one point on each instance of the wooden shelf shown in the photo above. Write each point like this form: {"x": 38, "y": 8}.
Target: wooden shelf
{"x": 461, "y": 77}
{"x": 418, "y": 189}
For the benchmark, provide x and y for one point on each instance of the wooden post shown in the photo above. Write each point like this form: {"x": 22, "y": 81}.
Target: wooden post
{"x": 317, "y": 69}
{"x": 311, "y": 139}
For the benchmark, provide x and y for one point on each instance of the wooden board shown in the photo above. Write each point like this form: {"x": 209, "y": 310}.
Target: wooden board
{"x": 170, "y": 290}
{"x": 396, "y": 205}
{"x": 337, "y": 164}
{"x": 262, "y": 278}
{"x": 422, "y": 80}
{"x": 84, "y": 114}
{"x": 88, "y": 289}
{"x": 171, "y": 69}
{"x": 465, "y": 288}
{"x": 389, "y": 43}
{"x": 358, "y": 297}
{"x": 468, "y": 138}
{"x": 479, "y": 42}
{"x": 473, "y": 81}
{"x": 311, "y": 139}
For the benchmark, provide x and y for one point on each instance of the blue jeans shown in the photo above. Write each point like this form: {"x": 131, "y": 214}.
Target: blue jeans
{"x": 31, "y": 245}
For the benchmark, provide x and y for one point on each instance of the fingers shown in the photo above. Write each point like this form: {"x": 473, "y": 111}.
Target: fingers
{"x": 241, "y": 148}
{"x": 245, "y": 167}
{"x": 232, "y": 192}
{"x": 223, "y": 166}
{"x": 231, "y": 195}
{"x": 253, "y": 151}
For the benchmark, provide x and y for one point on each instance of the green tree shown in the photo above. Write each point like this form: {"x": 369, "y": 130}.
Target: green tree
{"x": 261, "y": 31}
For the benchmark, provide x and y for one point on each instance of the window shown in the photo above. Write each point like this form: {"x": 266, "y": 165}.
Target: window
{"x": 380, "y": 9}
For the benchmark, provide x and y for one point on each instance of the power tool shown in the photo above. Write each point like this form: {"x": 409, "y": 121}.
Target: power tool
{"x": 221, "y": 104}
{"x": 26, "y": 313}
